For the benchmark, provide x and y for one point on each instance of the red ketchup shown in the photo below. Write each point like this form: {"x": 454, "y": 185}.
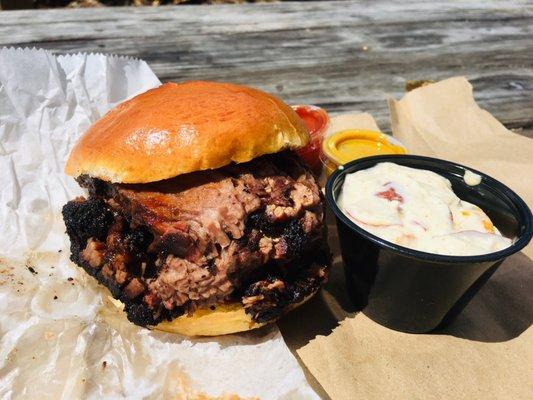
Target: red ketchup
{"x": 316, "y": 119}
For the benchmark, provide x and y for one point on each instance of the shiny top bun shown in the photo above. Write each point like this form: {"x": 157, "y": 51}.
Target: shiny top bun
{"x": 179, "y": 128}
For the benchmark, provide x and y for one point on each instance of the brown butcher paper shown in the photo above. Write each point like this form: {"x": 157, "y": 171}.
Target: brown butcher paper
{"x": 487, "y": 352}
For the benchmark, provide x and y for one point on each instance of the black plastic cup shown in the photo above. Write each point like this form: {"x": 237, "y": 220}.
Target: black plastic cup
{"x": 414, "y": 291}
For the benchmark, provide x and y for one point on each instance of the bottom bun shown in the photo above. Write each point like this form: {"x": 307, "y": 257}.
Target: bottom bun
{"x": 223, "y": 320}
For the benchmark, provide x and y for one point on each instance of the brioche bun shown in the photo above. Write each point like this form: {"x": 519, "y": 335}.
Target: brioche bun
{"x": 222, "y": 320}
{"x": 179, "y": 128}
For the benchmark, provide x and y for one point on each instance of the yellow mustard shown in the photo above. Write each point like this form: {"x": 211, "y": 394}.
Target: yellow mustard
{"x": 351, "y": 144}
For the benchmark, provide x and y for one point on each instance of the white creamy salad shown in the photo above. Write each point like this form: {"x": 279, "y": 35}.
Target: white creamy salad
{"x": 417, "y": 209}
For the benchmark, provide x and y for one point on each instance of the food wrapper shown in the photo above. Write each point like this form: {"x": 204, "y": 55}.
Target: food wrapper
{"x": 487, "y": 352}
{"x": 59, "y": 338}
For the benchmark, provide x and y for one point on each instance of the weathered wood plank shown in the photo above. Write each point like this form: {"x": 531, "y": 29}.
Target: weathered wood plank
{"x": 342, "y": 55}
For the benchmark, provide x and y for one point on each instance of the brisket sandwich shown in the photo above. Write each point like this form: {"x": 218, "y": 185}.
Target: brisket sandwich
{"x": 199, "y": 219}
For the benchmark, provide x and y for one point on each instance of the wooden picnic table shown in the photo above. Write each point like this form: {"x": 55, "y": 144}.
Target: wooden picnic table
{"x": 341, "y": 55}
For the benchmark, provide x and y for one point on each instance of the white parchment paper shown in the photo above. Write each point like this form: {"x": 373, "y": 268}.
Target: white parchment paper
{"x": 58, "y": 339}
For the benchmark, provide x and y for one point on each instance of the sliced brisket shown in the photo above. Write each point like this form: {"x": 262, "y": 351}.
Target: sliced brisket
{"x": 169, "y": 247}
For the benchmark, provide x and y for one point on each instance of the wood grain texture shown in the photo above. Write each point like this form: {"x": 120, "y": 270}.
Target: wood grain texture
{"x": 342, "y": 55}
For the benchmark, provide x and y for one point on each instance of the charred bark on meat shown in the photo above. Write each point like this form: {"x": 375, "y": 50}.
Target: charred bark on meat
{"x": 249, "y": 232}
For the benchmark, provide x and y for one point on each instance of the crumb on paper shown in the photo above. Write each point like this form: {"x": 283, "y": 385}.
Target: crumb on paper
{"x": 178, "y": 386}
{"x": 10, "y": 357}
{"x": 411, "y": 85}
{"x": 471, "y": 178}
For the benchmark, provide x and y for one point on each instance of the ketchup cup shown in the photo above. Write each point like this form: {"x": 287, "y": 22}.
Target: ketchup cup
{"x": 316, "y": 119}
